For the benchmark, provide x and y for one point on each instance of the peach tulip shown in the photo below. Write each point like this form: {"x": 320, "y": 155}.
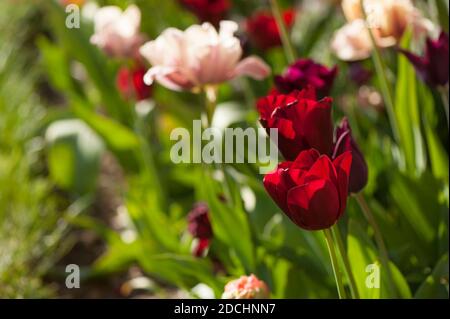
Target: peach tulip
{"x": 389, "y": 17}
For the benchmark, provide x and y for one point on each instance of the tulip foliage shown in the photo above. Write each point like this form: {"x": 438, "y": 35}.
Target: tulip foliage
{"x": 363, "y": 162}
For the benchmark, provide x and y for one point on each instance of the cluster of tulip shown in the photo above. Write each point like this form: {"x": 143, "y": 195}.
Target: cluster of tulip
{"x": 323, "y": 163}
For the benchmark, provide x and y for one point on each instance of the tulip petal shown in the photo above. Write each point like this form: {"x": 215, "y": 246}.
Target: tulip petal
{"x": 343, "y": 164}
{"x": 253, "y": 67}
{"x": 306, "y": 159}
{"x": 315, "y": 205}
{"x": 318, "y": 126}
{"x": 274, "y": 184}
{"x": 167, "y": 77}
{"x": 323, "y": 168}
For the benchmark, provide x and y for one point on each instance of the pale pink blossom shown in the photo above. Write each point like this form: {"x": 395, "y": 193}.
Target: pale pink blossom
{"x": 198, "y": 57}
{"x": 246, "y": 287}
{"x": 117, "y": 32}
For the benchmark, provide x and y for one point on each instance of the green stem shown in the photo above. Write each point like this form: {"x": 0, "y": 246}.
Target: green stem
{"x": 334, "y": 264}
{"x": 148, "y": 161}
{"x": 210, "y": 104}
{"x": 347, "y": 268}
{"x": 378, "y": 239}
{"x": 384, "y": 82}
{"x": 285, "y": 39}
{"x": 444, "y": 96}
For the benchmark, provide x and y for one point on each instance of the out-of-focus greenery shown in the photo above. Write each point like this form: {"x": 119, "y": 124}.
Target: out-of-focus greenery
{"x": 31, "y": 225}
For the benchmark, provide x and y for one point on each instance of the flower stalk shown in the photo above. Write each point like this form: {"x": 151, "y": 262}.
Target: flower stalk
{"x": 346, "y": 262}
{"x": 334, "y": 264}
{"x": 383, "y": 79}
{"x": 285, "y": 39}
{"x": 444, "y": 95}
{"x": 378, "y": 239}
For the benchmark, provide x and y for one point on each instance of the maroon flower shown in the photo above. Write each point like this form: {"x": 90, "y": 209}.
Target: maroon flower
{"x": 199, "y": 224}
{"x": 301, "y": 120}
{"x": 306, "y": 72}
{"x": 433, "y": 66}
{"x": 358, "y": 73}
{"x": 263, "y": 29}
{"x": 345, "y": 143}
{"x": 312, "y": 190}
{"x": 130, "y": 83}
{"x": 208, "y": 10}
{"x": 200, "y": 228}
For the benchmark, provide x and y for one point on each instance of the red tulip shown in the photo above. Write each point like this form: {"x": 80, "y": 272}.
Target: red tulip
{"x": 433, "y": 66}
{"x": 200, "y": 228}
{"x": 199, "y": 224}
{"x": 345, "y": 143}
{"x": 263, "y": 29}
{"x": 208, "y": 10}
{"x": 130, "y": 83}
{"x": 306, "y": 72}
{"x": 301, "y": 120}
{"x": 312, "y": 190}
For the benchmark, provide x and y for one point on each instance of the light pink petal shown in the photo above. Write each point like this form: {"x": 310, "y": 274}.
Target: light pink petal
{"x": 253, "y": 67}
{"x": 163, "y": 75}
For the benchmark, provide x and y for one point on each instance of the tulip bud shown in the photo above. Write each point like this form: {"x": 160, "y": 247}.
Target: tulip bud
{"x": 208, "y": 10}
{"x": 246, "y": 287}
{"x": 130, "y": 83}
{"x": 433, "y": 66}
{"x": 199, "y": 224}
{"x": 263, "y": 30}
{"x": 200, "y": 228}
{"x": 344, "y": 143}
{"x": 358, "y": 73}
{"x": 304, "y": 73}
{"x": 302, "y": 121}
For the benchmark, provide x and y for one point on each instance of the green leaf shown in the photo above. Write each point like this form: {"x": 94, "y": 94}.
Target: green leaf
{"x": 183, "y": 271}
{"x": 407, "y": 113}
{"x": 229, "y": 220}
{"x": 438, "y": 155}
{"x": 365, "y": 264}
{"x": 436, "y": 284}
{"x": 74, "y": 155}
{"x": 116, "y": 136}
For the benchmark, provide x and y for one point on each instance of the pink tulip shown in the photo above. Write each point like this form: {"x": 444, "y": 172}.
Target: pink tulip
{"x": 117, "y": 32}
{"x": 199, "y": 56}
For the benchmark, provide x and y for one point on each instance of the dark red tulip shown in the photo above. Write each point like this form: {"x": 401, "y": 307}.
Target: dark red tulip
{"x": 200, "y": 228}
{"x": 306, "y": 72}
{"x": 301, "y": 120}
{"x": 208, "y": 10}
{"x": 433, "y": 66}
{"x": 345, "y": 143}
{"x": 312, "y": 190}
{"x": 130, "y": 83}
{"x": 263, "y": 29}
{"x": 199, "y": 224}
{"x": 358, "y": 73}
